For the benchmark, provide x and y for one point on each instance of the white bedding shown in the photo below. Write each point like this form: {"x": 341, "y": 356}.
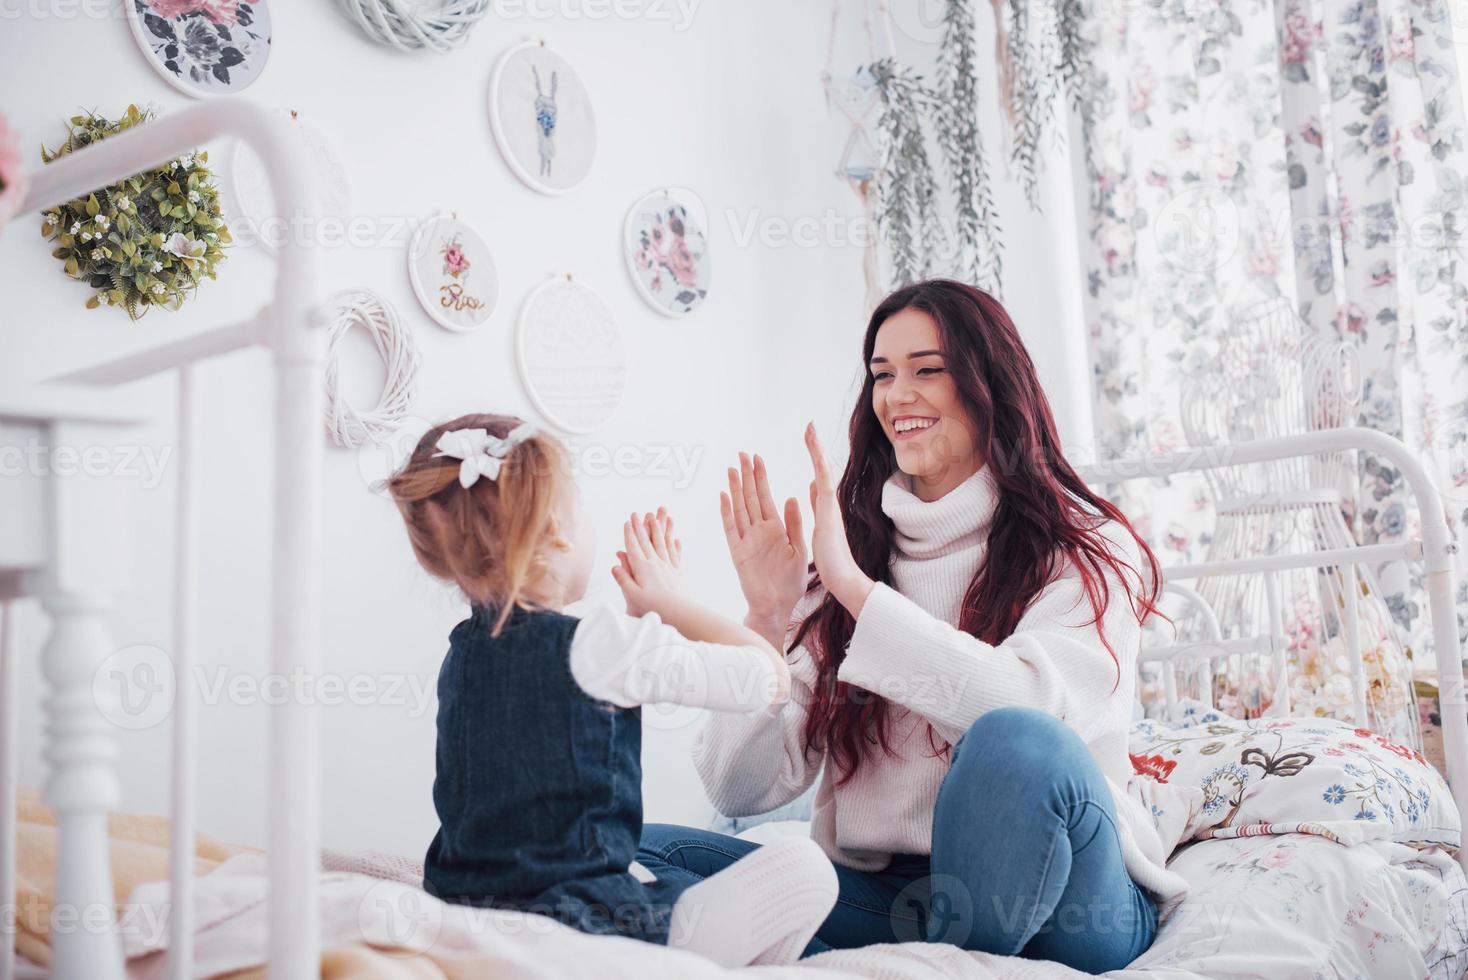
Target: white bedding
{"x": 1306, "y": 907}
{"x": 1284, "y": 907}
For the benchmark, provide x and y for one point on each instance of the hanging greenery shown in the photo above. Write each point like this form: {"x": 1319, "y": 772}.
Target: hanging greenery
{"x": 1047, "y": 50}
{"x": 145, "y": 241}
{"x": 1043, "y": 49}
{"x": 907, "y": 195}
{"x": 977, "y": 222}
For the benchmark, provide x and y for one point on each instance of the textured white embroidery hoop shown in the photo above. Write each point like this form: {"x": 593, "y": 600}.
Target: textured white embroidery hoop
{"x": 425, "y": 299}
{"x": 247, "y": 187}
{"x": 145, "y": 46}
{"x": 569, "y": 352}
{"x": 496, "y": 125}
{"x": 697, "y": 214}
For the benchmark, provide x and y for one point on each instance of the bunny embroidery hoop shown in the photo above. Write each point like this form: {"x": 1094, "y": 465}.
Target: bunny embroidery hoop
{"x": 569, "y": 351}
{"x": 542, "y": 118}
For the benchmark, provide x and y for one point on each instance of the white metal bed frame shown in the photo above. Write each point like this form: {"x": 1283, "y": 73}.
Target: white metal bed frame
{"x": 81, "y": 785}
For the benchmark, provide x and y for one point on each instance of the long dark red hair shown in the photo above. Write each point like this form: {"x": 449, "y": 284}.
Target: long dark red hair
{"x": 1045, "y": 519}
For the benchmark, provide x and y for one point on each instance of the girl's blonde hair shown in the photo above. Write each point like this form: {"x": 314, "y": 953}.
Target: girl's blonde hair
{"x": 488, "y": 539}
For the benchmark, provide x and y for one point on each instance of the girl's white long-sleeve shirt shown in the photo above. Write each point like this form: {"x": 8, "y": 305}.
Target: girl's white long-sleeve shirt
{"x": 635, "y": 660}
{"x": 906, "y": 649}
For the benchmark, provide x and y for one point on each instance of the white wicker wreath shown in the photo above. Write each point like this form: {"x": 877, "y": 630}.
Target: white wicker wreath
{"x": 411, "y": 24}
{"x": 364, "y": 308}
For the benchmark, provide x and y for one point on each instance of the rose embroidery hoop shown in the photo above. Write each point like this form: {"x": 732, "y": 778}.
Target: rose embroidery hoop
{"x": 667, "y": 252}
{"x": 203, "y": 48}
{"x": 453, "y": 273}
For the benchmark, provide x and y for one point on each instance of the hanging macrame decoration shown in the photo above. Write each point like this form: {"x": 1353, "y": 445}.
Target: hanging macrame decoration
{"x": 569, "y": 351}
{"x": 542, "y": 118}
{"x": 203, "y": 47}
{"x": 857, "y": 98}
{"x": 667, "y": 250}
{"x": 453, "y": 273}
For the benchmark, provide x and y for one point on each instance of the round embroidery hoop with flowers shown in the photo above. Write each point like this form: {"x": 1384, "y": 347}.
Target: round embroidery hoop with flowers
{"x": 203, "y": 47}
{"x": 145, "y": 241}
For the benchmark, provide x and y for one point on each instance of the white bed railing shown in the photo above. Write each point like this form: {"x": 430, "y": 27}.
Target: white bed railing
{"x": 288, "y": 326}
{"x": 1435, "y": 550}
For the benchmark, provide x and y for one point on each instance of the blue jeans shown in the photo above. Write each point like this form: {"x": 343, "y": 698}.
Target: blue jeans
{"x": 1026, "y": 858}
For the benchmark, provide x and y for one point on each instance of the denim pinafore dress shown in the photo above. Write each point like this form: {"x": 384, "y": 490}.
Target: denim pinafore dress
{"x": 538, "y": 786}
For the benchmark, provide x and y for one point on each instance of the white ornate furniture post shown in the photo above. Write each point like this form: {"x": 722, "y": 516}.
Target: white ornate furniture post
{"x": 59, "y": 518}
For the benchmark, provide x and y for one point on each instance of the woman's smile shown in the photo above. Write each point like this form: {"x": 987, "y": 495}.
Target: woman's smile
{"x": 906, "y": 427}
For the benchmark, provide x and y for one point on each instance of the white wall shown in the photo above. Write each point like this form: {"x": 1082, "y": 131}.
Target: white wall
{"x": 732, "y": 106}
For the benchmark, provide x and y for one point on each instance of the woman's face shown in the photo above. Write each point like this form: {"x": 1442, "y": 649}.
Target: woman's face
{"x": 917, "y": 403}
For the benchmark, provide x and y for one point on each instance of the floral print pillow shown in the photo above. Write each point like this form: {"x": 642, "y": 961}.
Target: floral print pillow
{"x": 1298, "y": 775}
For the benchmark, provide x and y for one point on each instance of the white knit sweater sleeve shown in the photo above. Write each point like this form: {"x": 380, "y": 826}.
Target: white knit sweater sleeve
{"x": 751, "y": 764}
{"x": 1054, "y": 660}
{"x": 630, "y": 660}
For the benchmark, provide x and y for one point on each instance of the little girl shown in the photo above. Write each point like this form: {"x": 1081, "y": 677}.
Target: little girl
{"x": 539, "y": 772}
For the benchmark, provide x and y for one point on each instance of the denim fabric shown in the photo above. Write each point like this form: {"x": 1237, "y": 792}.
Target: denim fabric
{"x": 538, "y": 786}
{"x": 1026, "y": 858}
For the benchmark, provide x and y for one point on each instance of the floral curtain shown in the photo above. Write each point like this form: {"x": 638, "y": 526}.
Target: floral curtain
{"x": 1243, "y": 150}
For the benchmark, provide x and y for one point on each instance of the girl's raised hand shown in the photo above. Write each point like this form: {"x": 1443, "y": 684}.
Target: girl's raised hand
{"x": 769, "y": 553}
{"x": 649, "y": 568}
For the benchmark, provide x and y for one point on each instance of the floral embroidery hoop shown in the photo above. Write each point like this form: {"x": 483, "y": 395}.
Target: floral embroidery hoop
{"x": 569, "y": 352}
{"x": 542, "y": 118}
{"x": 453, "y": 273}
{"x": 667, "y": 252}
{"x": 225, "y": 47}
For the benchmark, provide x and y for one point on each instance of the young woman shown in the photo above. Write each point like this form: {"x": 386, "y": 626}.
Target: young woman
{"x": 963, "y": 663}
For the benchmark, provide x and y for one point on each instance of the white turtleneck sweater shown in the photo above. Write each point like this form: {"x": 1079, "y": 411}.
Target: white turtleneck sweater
{"x": 907, "y": 649}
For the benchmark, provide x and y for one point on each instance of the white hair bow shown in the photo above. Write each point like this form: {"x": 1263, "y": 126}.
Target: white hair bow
{"x": 481, "y": 453}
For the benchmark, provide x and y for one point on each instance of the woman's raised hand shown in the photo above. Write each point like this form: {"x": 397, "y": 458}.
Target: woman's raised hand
{"x": 769, "y": 554}
{"x": 835, "y": 564}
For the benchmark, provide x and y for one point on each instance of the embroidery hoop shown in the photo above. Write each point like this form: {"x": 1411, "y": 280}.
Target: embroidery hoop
{"x": 363, "y": 308}
{"x": 502, "y": 140}
{"x": 145, "y": 46}
{"x": 697, "y": 215}
{"x": 575, "y": 332}
{"x": 248, "y": 187}
{"x": 425, "y": 298}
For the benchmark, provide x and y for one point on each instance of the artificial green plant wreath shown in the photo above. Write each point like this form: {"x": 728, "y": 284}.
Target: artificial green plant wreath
{"x": 145, "y": 241}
